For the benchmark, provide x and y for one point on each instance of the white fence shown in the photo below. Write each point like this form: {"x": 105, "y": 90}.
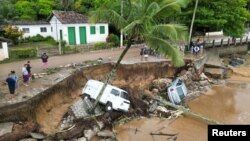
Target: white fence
{"x": 4, "y": 53}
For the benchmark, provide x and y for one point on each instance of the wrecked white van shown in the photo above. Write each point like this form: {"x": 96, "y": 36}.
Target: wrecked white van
{"x": 113, "y": 97}
{"x": 177, "y": 91}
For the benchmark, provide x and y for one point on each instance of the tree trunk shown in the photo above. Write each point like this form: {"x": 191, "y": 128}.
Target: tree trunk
{"x": 110, "y": 76}
{"x": 191, "y": 113}
{"x": 192, "y": 23}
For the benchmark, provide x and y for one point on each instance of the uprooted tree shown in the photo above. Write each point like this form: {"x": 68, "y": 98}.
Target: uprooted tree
{"x": 143, "y": 21}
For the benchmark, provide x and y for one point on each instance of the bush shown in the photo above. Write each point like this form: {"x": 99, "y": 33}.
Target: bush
{"x": 23, "y": 53}
{"x": 103, "y": 45}
{"x": 38, "y": 38}
{"x": 112, "y": 38}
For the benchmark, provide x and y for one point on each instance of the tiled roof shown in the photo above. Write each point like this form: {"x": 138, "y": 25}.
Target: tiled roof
{"x": 70, "y": 17}
{"x": 29, "y": 23}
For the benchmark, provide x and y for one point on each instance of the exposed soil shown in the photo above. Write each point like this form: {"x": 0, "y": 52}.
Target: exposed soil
{"x": 48, "y": 108}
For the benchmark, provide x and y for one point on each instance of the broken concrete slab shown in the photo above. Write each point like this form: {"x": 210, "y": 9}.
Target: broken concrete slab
{"x": 6, "y": 128}
{"x": 214, "y": 72}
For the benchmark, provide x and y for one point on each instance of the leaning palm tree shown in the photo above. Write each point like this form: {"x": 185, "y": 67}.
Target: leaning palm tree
{"x": 143, "y": 20}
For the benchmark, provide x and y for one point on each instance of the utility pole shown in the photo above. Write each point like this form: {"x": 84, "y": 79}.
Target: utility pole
{"x": 121, "y": 36}
{"x": 192, "y": 23}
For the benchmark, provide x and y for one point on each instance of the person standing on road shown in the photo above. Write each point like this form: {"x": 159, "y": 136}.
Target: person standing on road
{"x": 11, "y": 85}
{"x": 142, "y": 53}
{"x": 28, "y": 67}
{"x": 25, "y": 75}
{"x": 45, "y": 58}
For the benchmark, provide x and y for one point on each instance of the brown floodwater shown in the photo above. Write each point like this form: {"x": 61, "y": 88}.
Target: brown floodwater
{"x": 228, "y": 104}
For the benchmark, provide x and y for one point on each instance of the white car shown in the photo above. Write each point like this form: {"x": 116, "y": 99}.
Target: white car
{"x": 177, "y": 91}
{"x": 113, "y": 97}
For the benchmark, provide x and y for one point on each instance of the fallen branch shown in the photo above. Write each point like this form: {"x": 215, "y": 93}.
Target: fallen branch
{"x": 163, "y": 134}
{"x": 187, "y": 111}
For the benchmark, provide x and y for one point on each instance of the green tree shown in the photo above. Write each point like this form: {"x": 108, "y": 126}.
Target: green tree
{"x": 143, "y": 20}
{"x": 213, "y": 15}
{"x": 26, "y": 10}
{"x": 45, "y": 8}
{"x": 13, "y": 33}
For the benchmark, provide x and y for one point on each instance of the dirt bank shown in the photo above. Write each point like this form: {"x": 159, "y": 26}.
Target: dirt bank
{"x": 48, "y": 107}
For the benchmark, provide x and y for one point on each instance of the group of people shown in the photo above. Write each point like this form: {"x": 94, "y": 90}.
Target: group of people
{"x": 144, "y": 53}
{"x": 197, "y": 47}
{"x": 12, "y": 79}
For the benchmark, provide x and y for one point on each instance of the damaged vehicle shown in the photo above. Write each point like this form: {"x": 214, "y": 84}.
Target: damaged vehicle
{"x": 113, "y": 97}
{"x": 177, "y": 91}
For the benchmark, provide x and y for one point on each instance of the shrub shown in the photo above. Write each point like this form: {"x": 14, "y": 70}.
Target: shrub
{"x": 103, "y": 45}
{"x": 23, "y": 53}
{"x": 112, "y": 38}
{"x": 12, "y": 33}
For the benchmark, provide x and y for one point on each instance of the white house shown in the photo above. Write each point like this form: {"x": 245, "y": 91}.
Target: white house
{"x": 3, "y": 51}
{"x": 69, "y": 26}
{"x": 75, "y": 29}
{"x": 32, "y": 28}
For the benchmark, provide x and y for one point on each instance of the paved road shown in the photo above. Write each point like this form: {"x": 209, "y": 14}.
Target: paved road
{"x": 56, "y": 61}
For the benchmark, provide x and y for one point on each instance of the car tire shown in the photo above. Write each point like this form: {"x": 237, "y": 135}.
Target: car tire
{"x": 109, "y": 107}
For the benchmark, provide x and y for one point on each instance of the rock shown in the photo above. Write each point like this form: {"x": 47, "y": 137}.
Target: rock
{"x": 203, "y": 76}
{"x": 28, "y": 139}
{"x": 82, "y": 139}
{"x": 96, "y": 128}
{"x": 89, "y": 134}
{"x": 106, "y": 134}
{"x": 204, "y": 83}
{"x": 162, "y": 109}
{"x": 156, "y": 91}
{"x": 6, "y": 128}
{"x": 37, "y": 135}
{"x": 153, "y": 107}
{"x": 100, "y": 124}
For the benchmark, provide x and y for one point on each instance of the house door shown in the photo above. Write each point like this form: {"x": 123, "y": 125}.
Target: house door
{"x": 72, "y": 35}
{"x": 83, "y": 38}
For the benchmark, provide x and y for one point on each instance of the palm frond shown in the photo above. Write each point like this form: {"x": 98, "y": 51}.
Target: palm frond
{"x": 170, "y": 7}
{"x": 165, "y": 48}
{"x": 109, "y": 16}
{"x": 173, "y": 32}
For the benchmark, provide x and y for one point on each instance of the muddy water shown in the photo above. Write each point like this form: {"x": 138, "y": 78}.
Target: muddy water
{"x": 228, "y": 104}
{"x": 186, "y": 129}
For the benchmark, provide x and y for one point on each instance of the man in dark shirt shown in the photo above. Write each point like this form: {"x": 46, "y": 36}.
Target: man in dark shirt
{"x": 45, "y": 58}
{"x": 28, "y": 67}
{"x": 12, "y": 86}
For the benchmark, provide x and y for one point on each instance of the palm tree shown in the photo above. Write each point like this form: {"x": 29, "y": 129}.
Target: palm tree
{"x": 143, "y": 20}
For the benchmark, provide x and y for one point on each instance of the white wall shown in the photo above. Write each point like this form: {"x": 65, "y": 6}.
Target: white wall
{"x": 4, "y": 53}
{"x": 35, "y": 29}
{"x": 56, "y": 26}
{"x": 91, "y": 38}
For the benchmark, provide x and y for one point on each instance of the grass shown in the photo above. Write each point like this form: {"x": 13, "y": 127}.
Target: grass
{"x": 34, "y": 44}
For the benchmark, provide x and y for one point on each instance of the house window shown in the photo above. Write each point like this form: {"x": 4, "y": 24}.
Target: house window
{"x": 51, "y": 29}
{"x": 43, "y": 29}
{"x": 102, "y": 30}
{"x": 26, "y": 30}
{"x": 92, "y": 29}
